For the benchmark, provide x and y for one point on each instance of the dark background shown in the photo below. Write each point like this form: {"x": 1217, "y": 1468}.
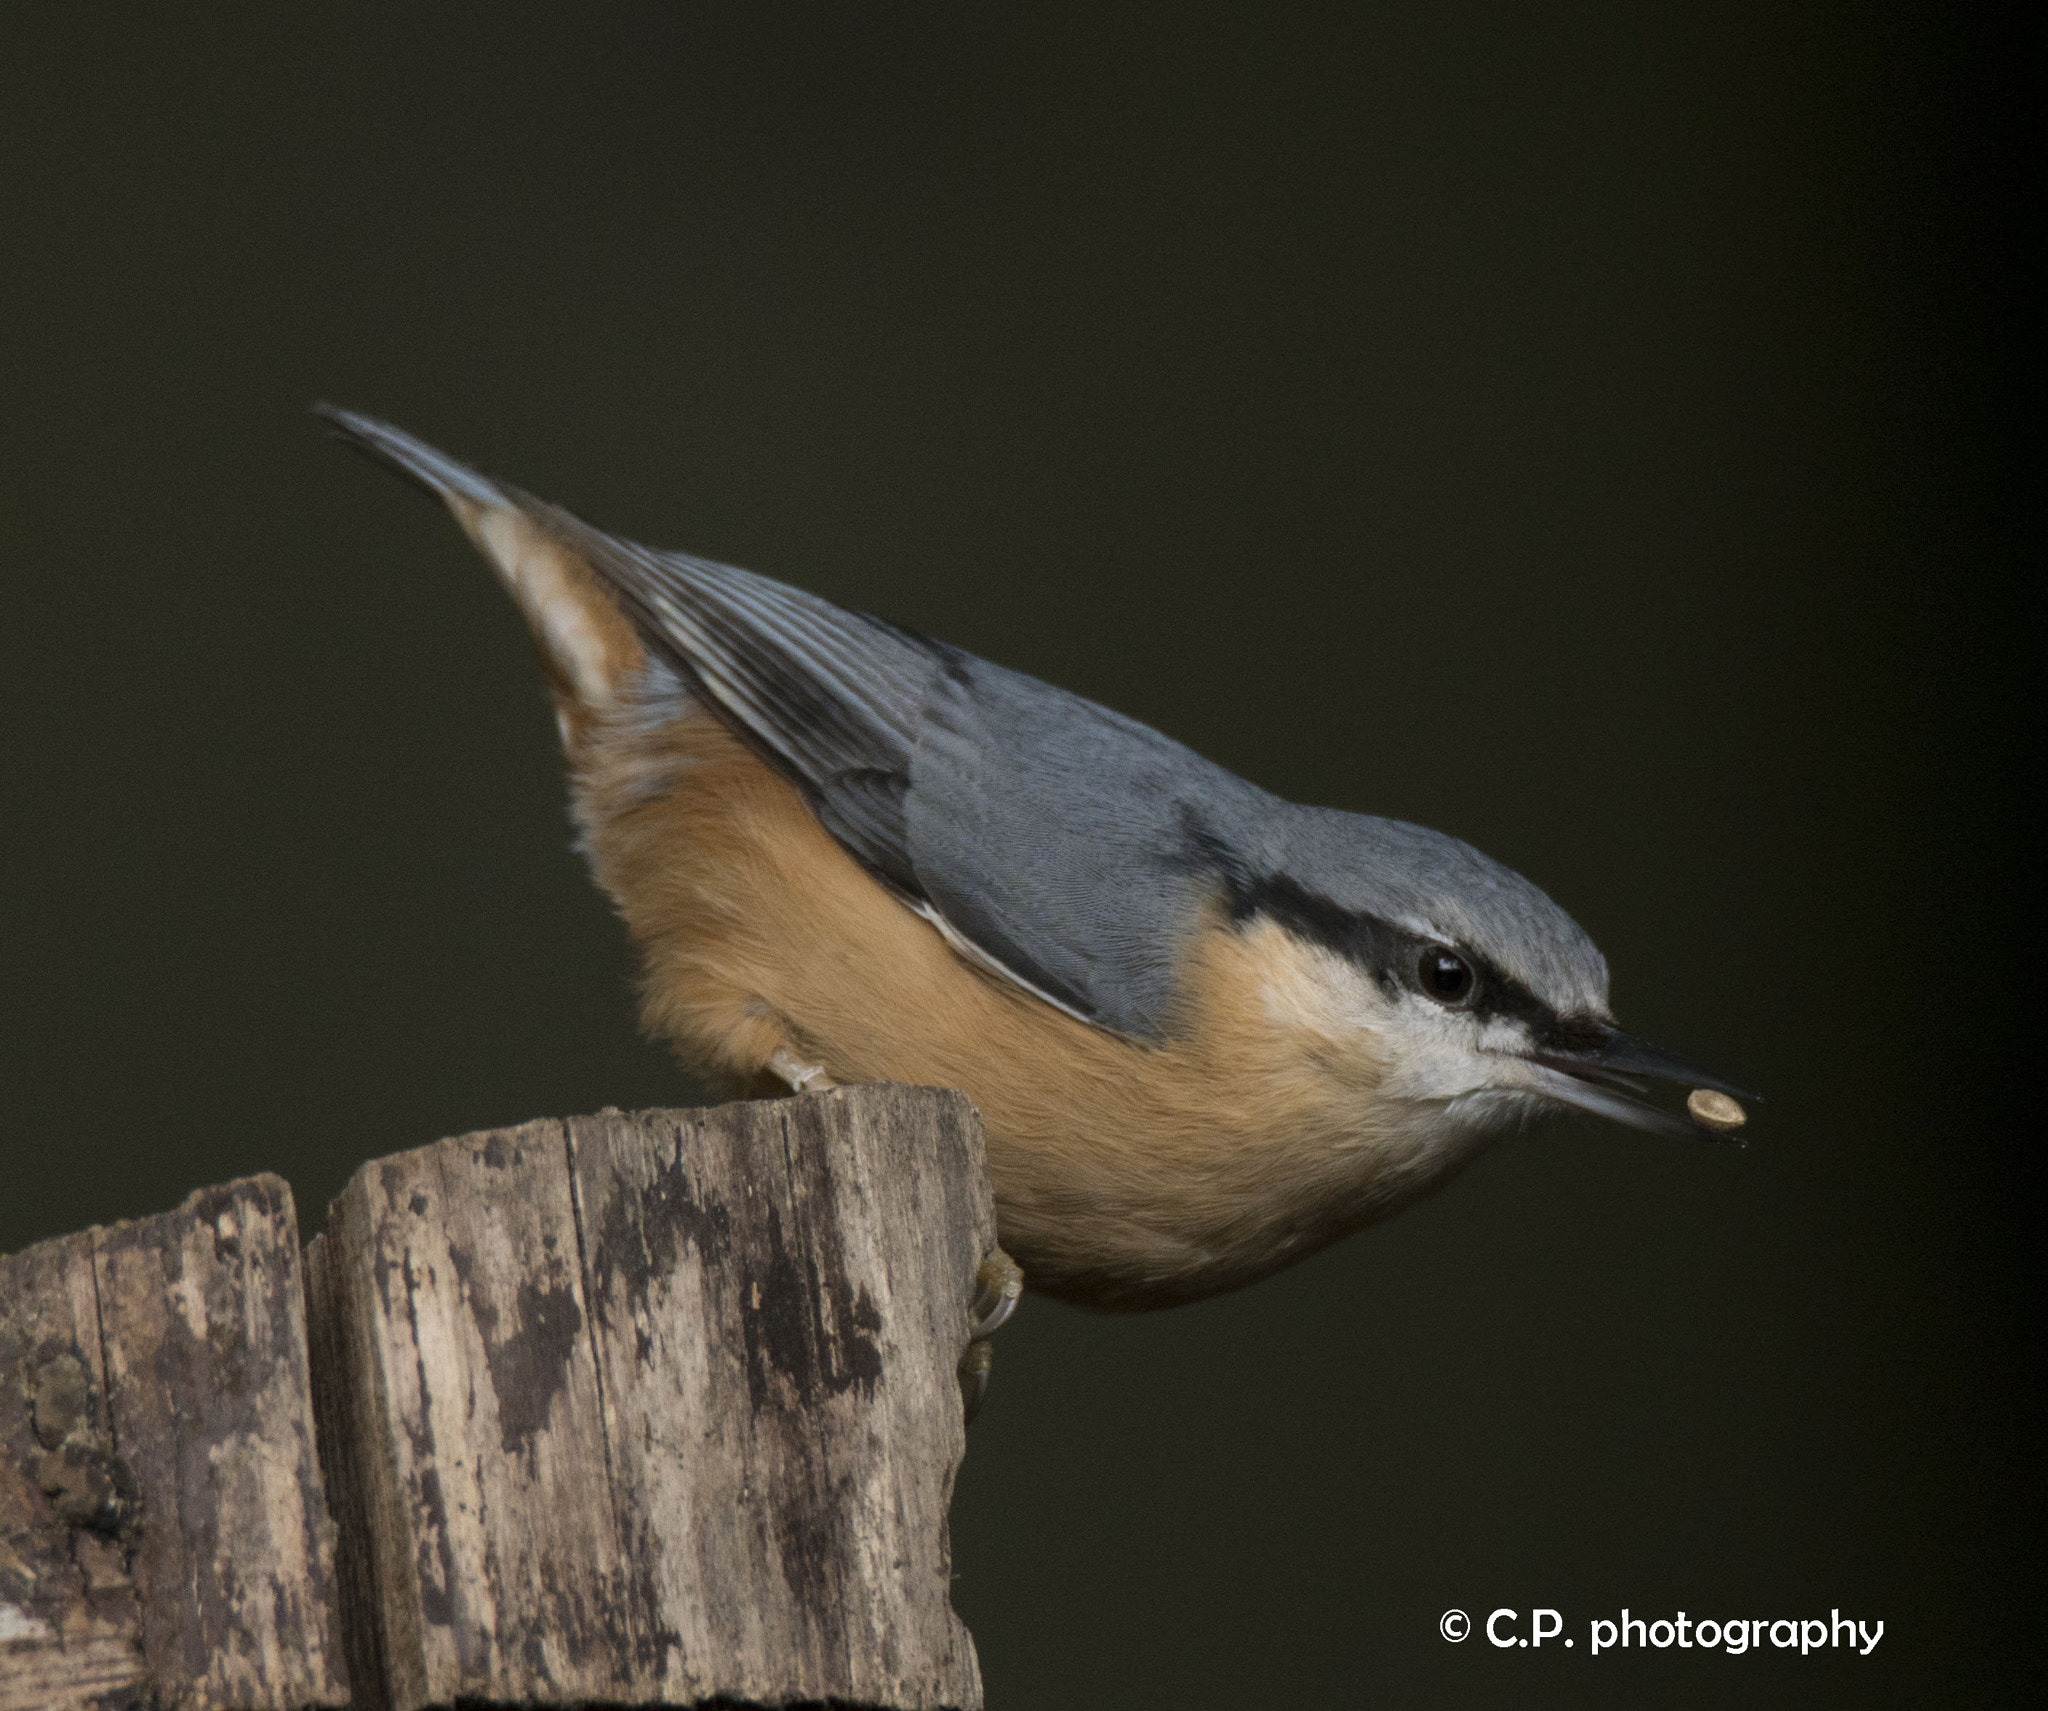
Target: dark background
{"x": 1588, "y": 430}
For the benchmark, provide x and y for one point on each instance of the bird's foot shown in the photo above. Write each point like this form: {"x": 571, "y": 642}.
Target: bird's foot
{"x": 798, "y": 1076}
{"x": 1001, "y": 1282}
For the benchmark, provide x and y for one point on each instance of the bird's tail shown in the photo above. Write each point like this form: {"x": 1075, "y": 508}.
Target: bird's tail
{"x": 440, "y": 474}
{"x": 588, "y": 644}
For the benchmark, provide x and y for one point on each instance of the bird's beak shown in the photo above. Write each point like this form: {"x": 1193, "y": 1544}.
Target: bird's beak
{"x": 1606, "y": 1077}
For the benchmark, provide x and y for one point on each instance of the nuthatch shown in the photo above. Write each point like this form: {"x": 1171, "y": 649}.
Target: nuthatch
{"x": 1209, "y": 1031}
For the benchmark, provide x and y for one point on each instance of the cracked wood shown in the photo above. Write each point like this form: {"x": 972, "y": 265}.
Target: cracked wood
{"x": 659, "y": 1408}
{"x": 164, "y": 1539}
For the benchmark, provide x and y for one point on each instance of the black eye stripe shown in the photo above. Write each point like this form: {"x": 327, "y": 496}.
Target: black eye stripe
{"x": 1386, "y": 952}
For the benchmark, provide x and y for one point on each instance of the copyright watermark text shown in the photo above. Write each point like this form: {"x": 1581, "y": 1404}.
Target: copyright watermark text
{"x": 1734, "y": 1635}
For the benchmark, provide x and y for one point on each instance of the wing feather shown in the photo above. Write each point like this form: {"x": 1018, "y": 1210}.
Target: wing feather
{"x": 1043, "y": 836}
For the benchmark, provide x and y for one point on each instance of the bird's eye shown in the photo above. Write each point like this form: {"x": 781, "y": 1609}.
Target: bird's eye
{"x": 1445, "y": 976}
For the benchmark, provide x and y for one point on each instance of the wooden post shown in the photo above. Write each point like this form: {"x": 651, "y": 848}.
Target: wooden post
{"x": 649, "y": 1410}
{"x": 164, "y": 1539}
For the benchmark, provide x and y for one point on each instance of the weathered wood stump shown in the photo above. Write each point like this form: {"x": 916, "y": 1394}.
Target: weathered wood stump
{"x": 654, "y": 1410}
{"x": 164, "y": 1540}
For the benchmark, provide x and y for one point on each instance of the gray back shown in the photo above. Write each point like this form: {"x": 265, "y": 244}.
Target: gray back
{"x": 1071, "y": 847}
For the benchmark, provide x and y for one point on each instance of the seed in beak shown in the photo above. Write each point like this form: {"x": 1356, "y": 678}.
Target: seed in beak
{"x": 1715, "y": 1110}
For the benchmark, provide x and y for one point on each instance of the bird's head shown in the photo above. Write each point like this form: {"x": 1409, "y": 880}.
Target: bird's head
{"x": 1481, "y": 1002}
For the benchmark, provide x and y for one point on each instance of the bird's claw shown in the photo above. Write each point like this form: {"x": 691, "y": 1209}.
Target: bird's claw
{"x": 974, "y": 1371}
{"x": 797, "y": 1075}
{"x": 1001, "y": 1282}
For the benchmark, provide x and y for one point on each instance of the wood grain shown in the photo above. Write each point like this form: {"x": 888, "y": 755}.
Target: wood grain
{"x": 164, "y": 1538}
{"x": 659, "y": 1408}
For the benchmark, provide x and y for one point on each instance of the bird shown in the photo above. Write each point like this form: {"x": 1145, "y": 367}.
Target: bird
{"x": 1209, "y": 1031}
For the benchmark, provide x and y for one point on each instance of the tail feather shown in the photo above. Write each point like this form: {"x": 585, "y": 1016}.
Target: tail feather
{"x": 437, "y": 472}
{"x": 589, "y": 645}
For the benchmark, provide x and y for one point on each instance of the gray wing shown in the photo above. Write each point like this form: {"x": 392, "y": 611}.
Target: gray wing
{"x": 1061, "y": 845}
{"x": 1047, "y": 838}
{"x": 1069, "y": 841}
{"x": 829, "y": 697}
